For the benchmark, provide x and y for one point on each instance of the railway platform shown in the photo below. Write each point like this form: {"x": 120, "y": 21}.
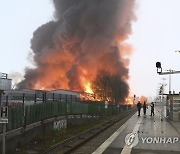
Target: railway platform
{"x": 144, "y": 135}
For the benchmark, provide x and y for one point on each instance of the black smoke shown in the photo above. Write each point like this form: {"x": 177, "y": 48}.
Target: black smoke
{"x": 85, "y": 35}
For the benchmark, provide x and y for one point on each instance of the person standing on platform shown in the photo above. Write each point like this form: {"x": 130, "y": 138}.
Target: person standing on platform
{"x": 152, "y": 109}
{"x": 139, "y": 108}
{"x": 144, "y": 107}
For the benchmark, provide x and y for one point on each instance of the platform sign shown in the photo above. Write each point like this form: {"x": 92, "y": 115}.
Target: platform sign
{"x": 5, "y": 84}
{"x": 3, "y": 120}
{"x": 4, "y": 115}
{"x": 4, "y": 112}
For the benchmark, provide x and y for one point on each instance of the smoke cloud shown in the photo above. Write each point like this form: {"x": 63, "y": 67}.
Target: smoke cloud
{"x": 85, "y": 36}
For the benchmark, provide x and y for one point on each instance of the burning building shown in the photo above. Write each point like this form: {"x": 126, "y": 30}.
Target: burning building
{"x": 84, "y": 37}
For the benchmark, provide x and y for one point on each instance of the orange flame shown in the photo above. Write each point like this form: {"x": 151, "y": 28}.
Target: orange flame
{"x": 88, "y": 88}
{"x": 129, "y": 100}
{"x": 86, "y": 85}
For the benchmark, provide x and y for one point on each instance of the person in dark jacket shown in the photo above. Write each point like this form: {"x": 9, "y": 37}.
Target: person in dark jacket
{"x": 144, "y": 107}
{"x": 152, "y": 109}
{"x": 139, "y": 108}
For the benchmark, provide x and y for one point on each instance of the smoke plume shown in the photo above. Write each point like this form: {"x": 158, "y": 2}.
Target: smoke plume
{"x": 16, "y": 78}
{"x": 85, "y": 36}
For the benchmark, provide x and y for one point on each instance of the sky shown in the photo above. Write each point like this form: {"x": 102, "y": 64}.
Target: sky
{"x": 155, "y": 38}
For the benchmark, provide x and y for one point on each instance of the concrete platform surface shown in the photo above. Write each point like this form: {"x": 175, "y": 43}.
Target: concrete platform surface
{"x": 144, "y": 135}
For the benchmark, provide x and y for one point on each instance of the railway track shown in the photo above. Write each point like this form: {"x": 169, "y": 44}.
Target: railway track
{"x": 71, "y": 144}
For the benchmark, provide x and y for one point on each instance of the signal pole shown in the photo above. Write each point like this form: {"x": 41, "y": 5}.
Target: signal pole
{"x": 159, "y": 71}
{"x": 168, "y": 72}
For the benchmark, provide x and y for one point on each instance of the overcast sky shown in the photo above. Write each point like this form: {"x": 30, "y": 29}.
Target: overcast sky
{"x": 155, "y": 38}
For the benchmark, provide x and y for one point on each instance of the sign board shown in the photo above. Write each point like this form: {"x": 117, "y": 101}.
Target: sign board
{"x": 3, "y": 120}
{"x": 3, "y": 112}
{"x": 5, "y": 84}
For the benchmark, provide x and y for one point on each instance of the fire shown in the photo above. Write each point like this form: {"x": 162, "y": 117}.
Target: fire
{"x": 86, "y": 84}
{"x": 69, "y": 51}
{"x": 39, "y": 87}
{"x": 143, "y": 99}
{"x": 129, "y": 100}
{"x": 88, "y": 88}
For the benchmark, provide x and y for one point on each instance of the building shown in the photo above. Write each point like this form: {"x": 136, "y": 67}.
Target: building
{"x": 173, "y": 107}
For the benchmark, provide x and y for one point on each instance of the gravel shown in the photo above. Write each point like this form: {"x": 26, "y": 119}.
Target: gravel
{"x": 92, "y": 145}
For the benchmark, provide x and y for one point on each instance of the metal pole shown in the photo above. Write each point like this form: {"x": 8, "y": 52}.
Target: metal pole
{"x": 53, "y": 97}
{"x": 35, "y": 100}
{"x": 162, "y": 106}
{"x": 170, "y": 72}
{"x": 66, "y": 97}
{"x": 7, "y": 104}
{"x": 4, "y": 139}
{"x": 4, "y": 127}
{"x": 71, "y": 98}
{"x": 45, "y": 97}
{"x": 23, "y": 107}
{"x": 60, "y": 97}
{"x": 1, "y": 92}
{"x": 169, "y": 83}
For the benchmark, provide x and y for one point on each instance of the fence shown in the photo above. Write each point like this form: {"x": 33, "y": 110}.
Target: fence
{"x": 20, "y": 116}
{"x": 35, "y": 97}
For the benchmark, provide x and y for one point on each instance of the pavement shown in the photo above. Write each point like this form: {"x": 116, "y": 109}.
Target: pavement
{"x": 144, "y": 135}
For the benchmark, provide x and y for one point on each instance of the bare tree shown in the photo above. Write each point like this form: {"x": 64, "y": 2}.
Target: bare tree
{"x": 110, "y": 87}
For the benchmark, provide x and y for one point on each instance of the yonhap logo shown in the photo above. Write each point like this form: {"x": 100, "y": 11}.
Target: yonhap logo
{"x": 131, "y": 139}
{"x": 160, "y": 140}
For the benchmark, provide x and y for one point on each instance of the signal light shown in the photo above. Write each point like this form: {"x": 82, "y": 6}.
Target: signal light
{"x": 159, "y": 68}
{"x": 158, "y": 64}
